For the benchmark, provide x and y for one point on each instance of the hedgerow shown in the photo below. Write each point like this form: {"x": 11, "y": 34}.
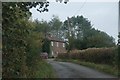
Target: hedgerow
{"x": 96, "y": 55}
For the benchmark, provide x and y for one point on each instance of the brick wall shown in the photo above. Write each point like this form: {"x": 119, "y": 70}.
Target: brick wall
{"x": 57, "y": 48}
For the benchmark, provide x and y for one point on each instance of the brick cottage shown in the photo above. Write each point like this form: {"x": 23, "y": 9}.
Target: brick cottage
{"x": 57, "y": 46}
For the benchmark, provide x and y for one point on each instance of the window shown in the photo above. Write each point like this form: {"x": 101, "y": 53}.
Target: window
{"x": 52, "y": 53}
{"x": 63, "y": 44}
{"x": 57, "y": 44}
{"x": 51, "y": 43}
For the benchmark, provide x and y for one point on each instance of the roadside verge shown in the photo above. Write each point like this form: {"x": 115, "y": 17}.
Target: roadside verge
{"x": 100, "y": 67}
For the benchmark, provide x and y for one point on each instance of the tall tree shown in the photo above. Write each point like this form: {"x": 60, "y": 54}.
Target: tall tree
{"x": 14, "y": 33}
{"x": 55, "y": 25}
{"x": 81, "y": 32}
{"x": 42, "y": 26}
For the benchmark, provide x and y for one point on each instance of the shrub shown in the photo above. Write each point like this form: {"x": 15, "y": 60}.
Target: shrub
{"x": 96, "y": 55}
{"x": 63, "y": 56}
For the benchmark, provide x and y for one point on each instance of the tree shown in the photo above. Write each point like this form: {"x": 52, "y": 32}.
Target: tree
{"x": 15, "y": 31}
{"x": 46, "y": 46}
{"x": 118, "y": 55}
{"x": 81, "y": 32}
{"x": 78, "y": 26}
{"x": 34, "y": 48}
{"x": 55, "y": 25}
{"x": 119, "y": 35}
{"x": 42, "y": 26}
{"x": 21, "y": 40}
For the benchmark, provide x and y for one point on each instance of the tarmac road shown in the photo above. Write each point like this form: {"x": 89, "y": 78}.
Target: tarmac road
{"x": 71, "y": 70}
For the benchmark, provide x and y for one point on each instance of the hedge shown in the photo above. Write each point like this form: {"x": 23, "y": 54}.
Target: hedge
{"x": 96, "y": 55}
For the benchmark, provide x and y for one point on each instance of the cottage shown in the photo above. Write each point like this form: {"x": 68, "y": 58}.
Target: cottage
{"x": 56, "y": 46}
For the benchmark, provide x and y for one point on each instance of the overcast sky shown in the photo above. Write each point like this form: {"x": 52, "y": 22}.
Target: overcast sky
{"x": 103, "y": 15}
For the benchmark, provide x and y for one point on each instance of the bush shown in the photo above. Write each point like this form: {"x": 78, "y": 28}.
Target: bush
{"x": 63, "y": 55}
{"x": 96, "y": 55}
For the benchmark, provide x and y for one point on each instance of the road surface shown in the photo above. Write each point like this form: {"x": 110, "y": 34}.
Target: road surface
{"x": 71, "y": 70}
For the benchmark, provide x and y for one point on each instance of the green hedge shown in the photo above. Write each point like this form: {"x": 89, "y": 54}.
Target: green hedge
{"x": 96, "y": 55}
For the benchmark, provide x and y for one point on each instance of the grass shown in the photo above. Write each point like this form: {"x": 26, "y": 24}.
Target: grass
{"x": 45, "y": 70}
{"x": 100, "y": 67}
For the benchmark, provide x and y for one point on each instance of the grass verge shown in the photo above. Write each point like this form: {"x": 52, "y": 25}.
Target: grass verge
{"x": 100, "y": 67}
{"x": 45, "y": 70}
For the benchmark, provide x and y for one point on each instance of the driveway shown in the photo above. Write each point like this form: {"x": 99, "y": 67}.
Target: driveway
{"x": 71, "y": 70}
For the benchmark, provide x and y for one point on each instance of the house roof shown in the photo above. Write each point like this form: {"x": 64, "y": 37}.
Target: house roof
{"x": 53, "y": 38}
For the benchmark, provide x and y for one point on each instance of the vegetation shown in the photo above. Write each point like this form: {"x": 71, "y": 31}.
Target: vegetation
{"x": 21, "y": 44}
{"x": 24, "y": 40}
{"x": 81, "y": 32}
{"x": 55, "y": 25}
{"x": 78, "y": 31}
{"x": 104, "y": 59}
{"x": 96, "y": 55}
{"x": 118, "y": 56}
{"x": 45, "y": 70}
{"x": 46, "y": 46}
{"x": 92, "y": 45}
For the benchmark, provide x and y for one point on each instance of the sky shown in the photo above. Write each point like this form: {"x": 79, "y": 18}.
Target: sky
{"x": 102, "y": 14}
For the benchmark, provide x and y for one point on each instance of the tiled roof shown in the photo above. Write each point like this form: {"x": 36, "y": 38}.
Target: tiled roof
{"x": 52, "y": 38}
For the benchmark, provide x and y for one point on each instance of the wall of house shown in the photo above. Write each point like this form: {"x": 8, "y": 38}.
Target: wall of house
{"x": 57, "y": 48}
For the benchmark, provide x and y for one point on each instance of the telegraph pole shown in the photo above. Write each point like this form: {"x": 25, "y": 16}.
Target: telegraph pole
{"x": 68, "y": 34}
{"x": 68, "y": 27}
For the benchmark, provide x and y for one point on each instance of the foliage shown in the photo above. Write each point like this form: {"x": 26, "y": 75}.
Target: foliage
{"x": 41, "y": 26}
{"x": 14, "y": 45}
{"x": 119, "y": 35}
{"x": 22, "y": 39}
{"x": 63, "y": 56}
{"x": 81, "y": 31}
{"x": 44, "y": 70}
{"x": 15, "y": 34}
{"x": 118, "y": 55}
{"x": 33, "y": 52}
{"x": 80, "y": 34}
{"x": 52, "y": 27}
{"x": 96, "y": 55}
{"x": 55, "y": 26}
{"x": 46, "y": 46}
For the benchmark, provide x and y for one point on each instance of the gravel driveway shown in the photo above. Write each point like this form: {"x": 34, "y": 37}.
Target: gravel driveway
{"x": 71, "y": 70}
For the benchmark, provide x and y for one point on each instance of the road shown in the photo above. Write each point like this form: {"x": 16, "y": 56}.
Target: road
{"x": 71, "y": 70}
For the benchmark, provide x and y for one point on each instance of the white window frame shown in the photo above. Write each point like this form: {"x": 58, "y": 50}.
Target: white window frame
{"x": 63, "y": 44}
{"x": 57, "y": 44}
{"x": 52, "y": 53}
{"x": 51, "y": 43}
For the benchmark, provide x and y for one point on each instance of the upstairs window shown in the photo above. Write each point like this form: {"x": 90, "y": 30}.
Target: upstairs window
{"x": 63, "y": 44}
